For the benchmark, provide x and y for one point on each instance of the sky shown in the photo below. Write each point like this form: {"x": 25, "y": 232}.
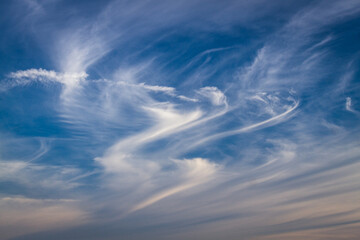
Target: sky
{"x": 188, "y": 119}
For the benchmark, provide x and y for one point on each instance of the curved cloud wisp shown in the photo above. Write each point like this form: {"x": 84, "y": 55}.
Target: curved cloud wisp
{"x": 199, "y": 119}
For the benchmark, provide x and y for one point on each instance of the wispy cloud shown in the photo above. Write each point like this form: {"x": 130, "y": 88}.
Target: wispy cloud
{"x": 24, "y": 77}
{"x": 193, "y": 171}
{"x": 176, "y": 120}
{"x": 348, "y": 106}
{"x": 35, "y": 215}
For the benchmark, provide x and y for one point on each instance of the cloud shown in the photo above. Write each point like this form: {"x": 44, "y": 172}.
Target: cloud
{"x": 120, "y": 157}
{"x": 192, "y": 171}
{"x": 348, "y": 106}
{"x": 35, "y": 210}
{"x": 214, "y": 95}
{"x": 266, "y": 123}
{"x": 188, "y": 99}
{"x": 29, "y": 215}
{"x": 155, "y": 88}
{"x": 24, "y": 77}
{"x": 185, "y": 119}
{"x": 46, "y": 176}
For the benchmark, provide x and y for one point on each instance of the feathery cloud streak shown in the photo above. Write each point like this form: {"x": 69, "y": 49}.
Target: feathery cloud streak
{"x": 165, "y": 120}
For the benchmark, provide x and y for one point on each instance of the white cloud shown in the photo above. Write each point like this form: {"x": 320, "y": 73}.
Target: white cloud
{"x": 268, "y": 122}
{"x": 188, "y": 99}
{"x": 214, "y": 95}
{"x": 39, "y": 176}
{"x": 241, "y": 198}
{"x": 155, "y": 88}
{"x": 348, "y": 104}
{"x": 24, "y": 77}
{"x": 168, "y": 90}
{"x": 192, "y": 173}
{"x": 120, "y": 157}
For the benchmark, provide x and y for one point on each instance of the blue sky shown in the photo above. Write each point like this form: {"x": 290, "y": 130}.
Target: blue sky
{"x": 179, "y": 119}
